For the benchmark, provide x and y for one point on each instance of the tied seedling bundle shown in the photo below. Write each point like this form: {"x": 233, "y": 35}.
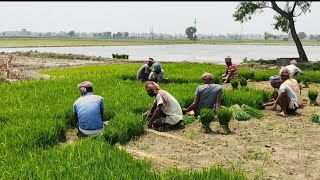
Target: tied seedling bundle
{"x": 243, "y": 82}
{"x": 234, "y": 83}
{"x": 239, "y": 114}
{"x": 252, "y": 111}
{"x": 206, "y": 117}
{"x": 224, "y": 116}
{"x": 313, "y": 94}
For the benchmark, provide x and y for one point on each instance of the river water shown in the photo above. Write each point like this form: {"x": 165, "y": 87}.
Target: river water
{"x": 185, "y": 52}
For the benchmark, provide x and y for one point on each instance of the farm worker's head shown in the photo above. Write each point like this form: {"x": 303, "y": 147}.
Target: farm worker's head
{"x": 207, "y": 78}
{"x": 152, "y": 88}
{"x": 275, "y": 81}
{"x": 150, "y": 61}
{"x": 157, "y": 67}
{"x": 228, "y": 60}
{"x": 84, "y": 87}
{"x": 284, "y": 74}
{"x": 294, "y": 62}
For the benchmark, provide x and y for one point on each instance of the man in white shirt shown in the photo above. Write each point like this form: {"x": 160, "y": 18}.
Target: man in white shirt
{"x": 166, "y": 110}
{"x": 157, "y": 75}
{"x": 293, "y": 69}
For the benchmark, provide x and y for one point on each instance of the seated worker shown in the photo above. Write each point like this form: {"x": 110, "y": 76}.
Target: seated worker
{"x": 207, "y": 95}
{"x": 88, "y": 110}
{"x": 144, "y": 71}
{"x": 295, "y": 86}
{"x": 157, "y": 75}
{"x": 286, "y": 97}
{"x": 166, "y": 110}
{"x": 293, "y": 69}
{"x": 231, "y": 71}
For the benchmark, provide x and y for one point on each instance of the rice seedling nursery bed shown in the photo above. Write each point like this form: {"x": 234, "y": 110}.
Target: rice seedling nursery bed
{"x": 35, "y": 116}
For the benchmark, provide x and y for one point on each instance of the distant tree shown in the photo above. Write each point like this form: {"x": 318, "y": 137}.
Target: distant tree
{"x": 119, "y": 34}
{"x": 71, "y": 33}
{"x": 190, "y": 32}
{"x": 113, "y": 35}
{"x": 302, "y": 35}
{"x": 125, "y": 34}
{"x": 284, "y": 20}
{"x": 95, "y": 34}
{"x": 100, "y": 34}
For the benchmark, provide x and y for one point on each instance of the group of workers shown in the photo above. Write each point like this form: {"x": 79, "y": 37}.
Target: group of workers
{"x": 166, "y": 110}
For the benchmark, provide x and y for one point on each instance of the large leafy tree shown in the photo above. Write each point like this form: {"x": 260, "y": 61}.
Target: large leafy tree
{"x": 285, "y": 18}
{"x": 190, "y": 32}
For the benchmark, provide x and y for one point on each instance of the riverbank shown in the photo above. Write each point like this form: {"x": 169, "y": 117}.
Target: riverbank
{"x": 72, "y": 42}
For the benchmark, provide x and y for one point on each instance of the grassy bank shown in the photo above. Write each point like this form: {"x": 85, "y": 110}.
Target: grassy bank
{"x": 61, "y": 42}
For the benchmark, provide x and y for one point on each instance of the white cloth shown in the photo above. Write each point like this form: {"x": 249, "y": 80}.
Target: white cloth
{"x": 159, "y": 76}
{"x": 291, "y": 94}
{"x": 172, "y": 109}
{"x": 293, "y": 70}
{"x": 94, "y": 132}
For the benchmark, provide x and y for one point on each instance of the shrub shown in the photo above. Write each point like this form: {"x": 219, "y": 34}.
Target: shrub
{"x": 206, "y": 116}
{"x": 234, "y": 83}
{"x": 243, "y": 82}
{"x": 315, "y": 118}
{"x": 224, "y": 116}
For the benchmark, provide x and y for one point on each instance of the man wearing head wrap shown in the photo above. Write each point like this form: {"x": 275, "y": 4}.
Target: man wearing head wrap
{"x": 286, "y": 98}
{"x": 88, "y": 110}
{"x": 144, "y": 71}
{"x": 166, "y": 110}
{"x": 231, "y": 70}
{"x": 157, "y": 75}
{"x": 207, "y": 95}
{"x": 293, "y": 69}
{"x": 294, "y": 85}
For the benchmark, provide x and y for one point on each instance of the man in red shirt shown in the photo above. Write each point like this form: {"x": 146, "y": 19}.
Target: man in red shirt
{"x": 231, "y": 71}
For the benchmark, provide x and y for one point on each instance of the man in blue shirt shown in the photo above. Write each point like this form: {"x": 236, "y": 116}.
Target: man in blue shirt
{"x": 207, "y": 95}
{"x": 88, "y": 110}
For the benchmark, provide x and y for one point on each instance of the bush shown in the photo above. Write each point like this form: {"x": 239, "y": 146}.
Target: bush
{"x": 206, "y": 117}
{"x": 234, "y": 83}
{"x": 243, "y": 82}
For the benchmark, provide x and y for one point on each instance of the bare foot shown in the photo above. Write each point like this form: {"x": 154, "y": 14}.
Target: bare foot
{"x": 282, "y": 114}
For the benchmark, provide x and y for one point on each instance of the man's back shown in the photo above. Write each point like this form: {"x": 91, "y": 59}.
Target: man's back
{"x": 88, "y": 108}
{"x": 207, "y": 94}
{"x": 143, "y": 73}
{"x": 293, "y": 69}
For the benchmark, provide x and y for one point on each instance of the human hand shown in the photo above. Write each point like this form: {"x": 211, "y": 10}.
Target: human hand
{"x": 184, "y": 110}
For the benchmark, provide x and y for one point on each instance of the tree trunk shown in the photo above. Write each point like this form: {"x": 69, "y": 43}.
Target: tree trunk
{"x": 297, "y": 41}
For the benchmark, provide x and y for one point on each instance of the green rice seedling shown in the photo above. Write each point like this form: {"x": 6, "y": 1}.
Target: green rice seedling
{"x": 239, "y": 114}
{"x": 187, "y": 102}
{"x": 315, "y": 118}
{"x": 313, "y": 94}
{"x": 206, "y": 117}
{"x": 188, "y": 119}
{"x": 224, "y": 116}
{"x": 243, "y": 82}
{"x": 217, "y": 80}
{"x": 252, "y": 111}
{"x": 234, "y": 83}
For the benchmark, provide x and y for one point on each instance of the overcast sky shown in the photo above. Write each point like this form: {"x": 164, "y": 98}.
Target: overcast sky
{"x": 164, "y": 17}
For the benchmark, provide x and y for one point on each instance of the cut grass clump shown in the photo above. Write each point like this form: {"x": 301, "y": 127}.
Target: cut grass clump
{"x": 243, "y": 82}
{"x": 234, "y": 83}
{"x": 239, "y": 114}
{"x": 224, "y": 116}
{"x": 313, "y": 94}
{"x": 252, "y": 111}
{"x": 206, "y": 117}
{"x": 315, "y": 118}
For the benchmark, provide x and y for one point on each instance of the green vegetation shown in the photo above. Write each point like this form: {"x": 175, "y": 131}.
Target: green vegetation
{"x": 234, "y": 83}
{"x": 239, "y": 114}
{"x": 224, "y": 117}
{"x": 120, "y": 56}
{"x": 243, "y": 82}
{"x": 312, "y": 94}
{"x": 61, "y": 42}
{"x": 206, "y": 117}
{"x": 35, "y": 116}
{"x": 255, "y": 113}
{"x": 315, "y": 118}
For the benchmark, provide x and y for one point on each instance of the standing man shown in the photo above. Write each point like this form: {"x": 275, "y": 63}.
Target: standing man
{"x": 88, "y": 110}
{"x": 231, "y": 70}
{"x": 144, "y": 71}
{"x": 286, "y": 97}
{"x": 166, "y": 109}
{"x": 157, "y": 75}
{"x": 207, "y": 95}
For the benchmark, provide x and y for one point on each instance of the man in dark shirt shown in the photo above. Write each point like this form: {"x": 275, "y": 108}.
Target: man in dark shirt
{"x": 144, "y": 71}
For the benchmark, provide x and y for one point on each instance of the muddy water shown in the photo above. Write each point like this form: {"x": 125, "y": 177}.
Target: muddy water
{"x": 185, "y": 52}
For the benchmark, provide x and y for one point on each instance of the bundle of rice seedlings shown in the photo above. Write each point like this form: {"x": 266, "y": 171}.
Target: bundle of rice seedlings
{"x": 234, "y": 83}
{"x": 315, "y": 118}
{"x": 239, "y": 114}
{"x": 252, "y": 111}
{"x": 243, "y": 82}
{"x": 224, "y": 116}
{"x": 206, "y": 116}
{"x": 313, "y": 94}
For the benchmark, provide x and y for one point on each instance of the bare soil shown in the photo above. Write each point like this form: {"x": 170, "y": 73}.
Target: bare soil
{"x": 272, "y": 147}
